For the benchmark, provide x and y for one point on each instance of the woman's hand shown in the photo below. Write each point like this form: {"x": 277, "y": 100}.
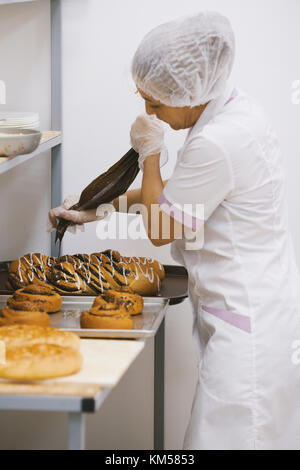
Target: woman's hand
{"x": 147, "y": 138}
{"x": 63, "y": 212}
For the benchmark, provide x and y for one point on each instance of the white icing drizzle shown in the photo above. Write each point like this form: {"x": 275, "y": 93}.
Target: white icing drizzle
{"x": 134, "y": 265}
{"x": 77, "y": 280}
{"x": 19, "y": 271}
{"x": 100, "y": 278}
{"x": 125, "y": 276}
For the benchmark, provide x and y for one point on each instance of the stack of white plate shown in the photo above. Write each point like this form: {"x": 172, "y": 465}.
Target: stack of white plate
{"x": 20, "y": 120}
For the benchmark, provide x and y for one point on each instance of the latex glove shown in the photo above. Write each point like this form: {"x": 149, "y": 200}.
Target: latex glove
{"x": 79, "y": 218}
{"x": 105, "y": 211}
{"x": 147, "y": 138}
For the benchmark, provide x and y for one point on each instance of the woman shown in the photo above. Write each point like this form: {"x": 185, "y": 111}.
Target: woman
{"x": 243, "y": 280}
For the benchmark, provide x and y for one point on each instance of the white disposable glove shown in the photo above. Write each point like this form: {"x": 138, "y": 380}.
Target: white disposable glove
{"x": 147, "y": 138}
{"x": 79, "y": 218}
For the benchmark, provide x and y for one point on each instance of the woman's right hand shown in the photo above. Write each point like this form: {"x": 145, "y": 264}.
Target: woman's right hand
{"x": 64, "y": 212}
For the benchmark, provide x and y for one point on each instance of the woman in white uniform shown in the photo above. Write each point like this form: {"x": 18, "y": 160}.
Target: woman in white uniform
{"x": 243, "y": 280}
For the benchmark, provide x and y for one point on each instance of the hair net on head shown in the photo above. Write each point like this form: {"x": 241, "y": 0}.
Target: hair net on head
{"x": 186, "y": 62}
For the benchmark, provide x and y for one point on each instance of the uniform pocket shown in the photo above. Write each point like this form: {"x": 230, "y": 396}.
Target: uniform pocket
{"x": 227, "y": 360}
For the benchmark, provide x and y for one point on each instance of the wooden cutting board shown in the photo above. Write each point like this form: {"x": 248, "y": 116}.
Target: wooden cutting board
{"x": 104, "y": 363}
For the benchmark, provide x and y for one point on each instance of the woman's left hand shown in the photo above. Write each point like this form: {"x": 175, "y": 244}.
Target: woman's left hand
{"x": 147, "y": 138}
{"x": 64, "y": 212}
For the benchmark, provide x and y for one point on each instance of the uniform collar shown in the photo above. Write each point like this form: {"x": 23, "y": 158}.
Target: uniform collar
{"x": 211, "y": 110}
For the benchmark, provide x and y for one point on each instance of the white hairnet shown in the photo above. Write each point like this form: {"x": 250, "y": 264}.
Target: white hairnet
{"x": 186, "y": 62}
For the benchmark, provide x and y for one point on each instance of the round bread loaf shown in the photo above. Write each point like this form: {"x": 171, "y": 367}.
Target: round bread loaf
{"x": 21, "y": 335}
{"x": 39, "y": 362}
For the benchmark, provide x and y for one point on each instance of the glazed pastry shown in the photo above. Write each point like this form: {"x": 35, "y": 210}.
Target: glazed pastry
{"x": 40, "y": 362}
{"x": 24, "y": 317}
{"x": 29, "y": 269}
{"x": 130, "y": 262}
{"x": 20, "y": 276}
{"x": 145, "y": 263}
{"x": 36, "y": 297}
{"x": 66, "y": 280}
{"x": 141, "y": 279}
{"x": 92, "y": 259}
{"x": 4, "y": 322}
{"x": 84, "y": 274}
{"x": 95, "y": 277}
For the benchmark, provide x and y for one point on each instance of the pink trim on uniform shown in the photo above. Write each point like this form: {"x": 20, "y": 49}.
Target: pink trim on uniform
{"x": 177, "y": 214}
{"x": 239, "y": 321}
{"x": 234, "y": 95}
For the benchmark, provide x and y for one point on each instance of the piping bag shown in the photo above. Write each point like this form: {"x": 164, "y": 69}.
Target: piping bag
{"x": 104, "y": 189}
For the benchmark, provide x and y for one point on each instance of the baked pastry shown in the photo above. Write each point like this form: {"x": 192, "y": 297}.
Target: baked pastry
{"x": 4, "y": 322}
{"x": 65, "y": 279}
{"x": 24, "y": 317}
{"x": 131, "y": 262}
{"x": 104, "y": 321}
{"x": 29, "y": 269}
{"x": 83, "y": 274}
{"x": 36, "y": 297}
{"x": 120, "y": 302}
{"x": 95, "y": 277}
{"x": 21, "y": 335}
{"x": 39, "y": 362}
{"x": 112, "y": 310}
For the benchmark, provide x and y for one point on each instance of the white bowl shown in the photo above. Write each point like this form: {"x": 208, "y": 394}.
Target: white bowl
{"x": 18, "y": 141}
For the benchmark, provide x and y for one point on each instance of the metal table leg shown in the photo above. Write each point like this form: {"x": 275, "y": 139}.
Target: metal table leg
{"x": 159, "y": 387}
{"x": 76, "y": 431}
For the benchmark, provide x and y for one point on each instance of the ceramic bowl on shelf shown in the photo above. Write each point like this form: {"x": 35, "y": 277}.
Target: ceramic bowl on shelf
{"x": 18, "y": 119}
{"x": 18, "y": 141}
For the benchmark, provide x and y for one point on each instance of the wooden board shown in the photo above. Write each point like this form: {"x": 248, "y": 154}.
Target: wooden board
{"x": 66, "y": 390}
{"x": 104, "y": 363}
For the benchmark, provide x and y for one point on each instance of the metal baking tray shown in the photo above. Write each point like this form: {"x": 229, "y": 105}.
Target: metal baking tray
{"x": 68, "y": 319}
{"x": 174, "y": 287}
{"x": 173, "y": 291}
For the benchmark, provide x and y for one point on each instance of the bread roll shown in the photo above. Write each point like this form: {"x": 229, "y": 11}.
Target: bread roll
{"x": 105, "y": 322}
{"x": 21, "y": 335}
{"x": 26, "y": 317}
{"x": 121, "y": 302}
{"x": 36, "y": 297}
{"x": 39, "y": 362}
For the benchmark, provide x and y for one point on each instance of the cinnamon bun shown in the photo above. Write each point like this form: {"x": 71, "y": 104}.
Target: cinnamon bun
{"x": 36, "y": 297}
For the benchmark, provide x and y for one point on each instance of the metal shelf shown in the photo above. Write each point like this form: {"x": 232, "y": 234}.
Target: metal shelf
{"x": 6, "y": 2}
{"x": 50, "y": 139}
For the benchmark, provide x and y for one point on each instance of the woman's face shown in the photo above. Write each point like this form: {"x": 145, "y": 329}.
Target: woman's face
{"x": 177, "y": 118}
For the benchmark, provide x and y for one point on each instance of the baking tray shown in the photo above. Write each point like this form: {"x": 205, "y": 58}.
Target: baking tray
{"x": 68, "y": 319}
{"x": 173, "y": 291}
{"x": 174, "y": 286}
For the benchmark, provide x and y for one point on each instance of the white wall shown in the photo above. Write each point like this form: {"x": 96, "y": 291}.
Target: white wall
{"x": 99, "y": 39}
{"x": 25, "y": 67}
